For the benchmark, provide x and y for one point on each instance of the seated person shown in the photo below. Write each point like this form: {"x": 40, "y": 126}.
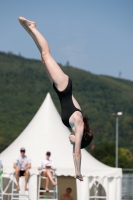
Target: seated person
{"x": 47, "y": 168}
{"x": 22, "y": 164}
{"x": 67, "y": 196}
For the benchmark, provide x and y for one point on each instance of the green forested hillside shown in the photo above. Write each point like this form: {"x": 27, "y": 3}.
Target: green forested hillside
{"x": 24, "y": 85}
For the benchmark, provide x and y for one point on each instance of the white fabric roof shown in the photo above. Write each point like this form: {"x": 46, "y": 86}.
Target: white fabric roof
{"x": 46, "y": 132}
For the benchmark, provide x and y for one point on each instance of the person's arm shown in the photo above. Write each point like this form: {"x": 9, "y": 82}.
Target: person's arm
{"x": 79, "y": 129}
{"x": 53, "y": 167}
{"x": 28, "y": 165}
{"x": 41, "y": 166}
{"x": 15, "y": 164}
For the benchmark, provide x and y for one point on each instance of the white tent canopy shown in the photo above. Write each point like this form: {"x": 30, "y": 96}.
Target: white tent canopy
{"x": 46, "y": 132}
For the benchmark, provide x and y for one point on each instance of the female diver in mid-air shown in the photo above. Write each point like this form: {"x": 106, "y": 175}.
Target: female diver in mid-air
{"x": 71, "y": 112}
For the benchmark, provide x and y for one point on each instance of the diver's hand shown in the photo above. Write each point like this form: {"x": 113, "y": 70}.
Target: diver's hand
{"x": 72, "y": 139}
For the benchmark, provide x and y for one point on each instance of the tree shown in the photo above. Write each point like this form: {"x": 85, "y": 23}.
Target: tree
{"x": 106, "y": 154}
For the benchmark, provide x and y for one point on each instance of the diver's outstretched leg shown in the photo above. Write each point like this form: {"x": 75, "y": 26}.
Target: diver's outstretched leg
{"x": 55, "y": 73}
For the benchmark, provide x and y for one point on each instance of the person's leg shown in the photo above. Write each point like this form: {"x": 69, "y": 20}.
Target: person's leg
{"x": 55, "y": 73}
{"x": 49, "y": 174}
{"x": 47, "y": 184}
{"x": 44, "y": 173}
{"x": 17, "y": 173}
{"x": 26, "y": 179}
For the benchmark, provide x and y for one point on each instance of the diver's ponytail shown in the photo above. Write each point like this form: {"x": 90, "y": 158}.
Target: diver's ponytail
{"x": 87, "y": 130}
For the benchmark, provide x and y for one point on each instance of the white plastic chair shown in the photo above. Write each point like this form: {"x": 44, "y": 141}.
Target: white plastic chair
{"x": 53, "y": 193}
{"x": 21, "y": 194}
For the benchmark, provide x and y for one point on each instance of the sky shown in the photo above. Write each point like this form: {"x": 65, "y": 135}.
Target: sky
{"x": 94, "y": 35}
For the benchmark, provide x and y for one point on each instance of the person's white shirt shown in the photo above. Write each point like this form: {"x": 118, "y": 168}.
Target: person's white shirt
{"x": 22, "y": 161}
{"x": 45, "y": 163}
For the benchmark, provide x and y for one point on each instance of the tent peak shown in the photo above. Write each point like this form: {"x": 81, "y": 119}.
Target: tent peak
{"x": 48, "y": 95}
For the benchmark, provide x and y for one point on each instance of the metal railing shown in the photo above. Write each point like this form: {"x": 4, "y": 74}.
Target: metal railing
{"x": 127, "y": 184}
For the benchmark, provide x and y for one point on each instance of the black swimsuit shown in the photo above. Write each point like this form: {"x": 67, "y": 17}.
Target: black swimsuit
{"x": 67, "y": 106}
